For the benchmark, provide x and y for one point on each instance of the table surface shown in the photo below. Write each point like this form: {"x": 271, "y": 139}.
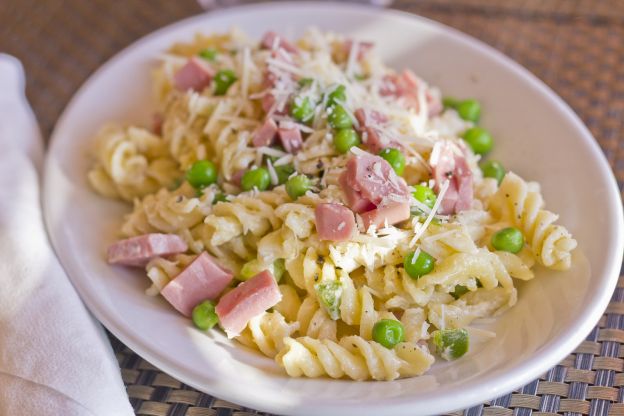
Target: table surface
{"x": 574, "y": 46}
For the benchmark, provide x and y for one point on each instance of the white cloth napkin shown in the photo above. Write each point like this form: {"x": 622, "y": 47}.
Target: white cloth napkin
{"x": 54, "y": 357}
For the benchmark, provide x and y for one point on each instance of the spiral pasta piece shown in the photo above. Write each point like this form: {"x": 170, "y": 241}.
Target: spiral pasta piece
{"x": 130, "y": 162}
{"x": 473, "y": 305}
{"x": 246, "y": 213}
{"x": 441, "y": 241}
{"x": 352, "y": 357}
{"x": 396, "y": 288}
{"x": 266, "y": 332}
{"x": 516, "y": 203}
{"x": 314, "y": 320}
{"x": 465, "y": 269}
{"x": 309, "y": 269}
{"x": 168, "y": 211}
{"x": 357, "y": 307}
{"x": 290, "y": 304}
{"x": 287, "y": 241}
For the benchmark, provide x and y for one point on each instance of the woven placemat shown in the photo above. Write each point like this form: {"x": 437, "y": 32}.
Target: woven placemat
{"x": 576, "y": 47}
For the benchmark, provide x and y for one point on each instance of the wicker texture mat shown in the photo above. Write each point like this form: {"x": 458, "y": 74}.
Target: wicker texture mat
{"x": 576, "y": 47}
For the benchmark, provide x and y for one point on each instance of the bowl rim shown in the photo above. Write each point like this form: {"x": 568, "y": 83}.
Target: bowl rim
{"x": 525, "y": 372}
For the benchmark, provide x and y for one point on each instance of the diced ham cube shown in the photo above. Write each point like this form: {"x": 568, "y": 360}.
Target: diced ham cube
{"x": 406, "y": 86}
{"x": 449, "y": 162}
{"x": 375, "y": 179}
{"x": 354, "y": 198}
{"x": 376, "y": 141}
{"x": 334, "y": 222}
{"x": 371, "y": 127}
{"x": 247, "y": 300}
{"x": 196, "y": 75}
{"x": 203, "y": 279}
{"x": 366, "y": 117}
{"x": 272, "y": 39}
{"x": 389, "y": 214}
{"x": 265, "y": 134}
{"x": 290, "y": 138}
{"x": 138, "y": 251}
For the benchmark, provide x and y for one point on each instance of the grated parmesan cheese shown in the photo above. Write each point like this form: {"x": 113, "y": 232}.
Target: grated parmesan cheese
{"x": 418, "y": 229}
{"x": 272, "y": 173}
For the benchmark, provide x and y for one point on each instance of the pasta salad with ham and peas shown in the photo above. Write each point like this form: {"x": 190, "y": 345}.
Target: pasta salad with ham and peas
{"x": 333, "y": 213}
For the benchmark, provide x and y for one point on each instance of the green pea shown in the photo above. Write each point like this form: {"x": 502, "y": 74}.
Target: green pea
{"x": 338, "y": 94}
{"x": 339, "y": 118}
{"x": 283, "y": 172}
{"x": 425, "y": 195}
{"x": 209, "y": 54}
{"x": 223, "y": 80}
{"x": 220, "y": 197}
{"x": 459, "y": 291}
{"x": 256, "y": 178}
{"x": 469, "y": 110}
{"x": 450, "y": 344}
{"x": 329, "y": 295}
{"x": 305, "y": 82}
{"x": 298, "y": 186}
{"x": 202, "y": 174}
{"x": 388, "y": 332}
{"x": 493, "y": 169}
{"x": 345, "y": 139}
{"x": 418, "y": 266}
{"x": 479, "y": 140}
{"x": 204, "y": 315}
{"x": 302, "y": 109}
{"x": 508, "y": 239}
{"x": 395, "y": 158}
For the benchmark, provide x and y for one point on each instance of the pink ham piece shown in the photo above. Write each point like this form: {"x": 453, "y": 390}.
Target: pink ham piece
{"x": 355, "y": 200}
{"x": 371, "y": 123}
{"x": 249, "y": 299}
{"x": 265, "y": 134}
{"x": 389, "y": 214}
{"x": 375, "y": 179}
{"x": 203, "y": 279}
{"x": 448, "y": 161}
{"x": 290, "y": 138}
{"x": 138, "y": 251}
{"x": 271, "y": 39}
{"x": 365, "y": 117}
{"x": 195, "y": 75}
{"x": 405, "y": 86}
{"x": 334, "y": 222}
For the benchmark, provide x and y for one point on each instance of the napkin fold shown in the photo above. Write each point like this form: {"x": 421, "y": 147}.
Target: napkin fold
{"x": 54, "y": 357}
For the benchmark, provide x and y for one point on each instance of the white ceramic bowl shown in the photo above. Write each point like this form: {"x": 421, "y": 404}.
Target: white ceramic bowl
{"x": 536, "y": 134}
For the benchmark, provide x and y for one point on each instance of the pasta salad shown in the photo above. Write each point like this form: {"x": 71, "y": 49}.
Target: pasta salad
{"x": 333, "y": 213}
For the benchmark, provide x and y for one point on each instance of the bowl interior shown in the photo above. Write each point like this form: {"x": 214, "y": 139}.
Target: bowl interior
{"x": 536, "y": 136}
